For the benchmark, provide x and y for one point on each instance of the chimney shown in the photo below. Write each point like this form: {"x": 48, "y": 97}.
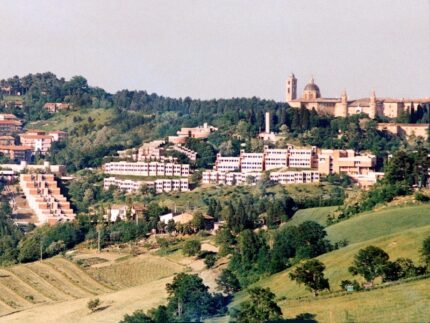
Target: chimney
{"x": 267, "y": 122}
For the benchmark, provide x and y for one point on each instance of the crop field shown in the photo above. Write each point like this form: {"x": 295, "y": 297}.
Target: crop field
{"x": 135, "y": 271}
{"x": 52, "y": 280}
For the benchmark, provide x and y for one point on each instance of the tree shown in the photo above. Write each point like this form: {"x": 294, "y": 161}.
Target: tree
{"x": 198, "y": 221}
{"x": 192, "y": 247}
{"x": 93, "y": 304}
{"x": 137, "y": 317}
{"x": 210, "y": 260}
{"x": 425, "y": 251}
{"x": 189, "y": 298}
{"x": 369, "y": 263}
{"x": 260, "y": 308}
{"x": 228, "y": 282}
{"x": 311, "y": 274}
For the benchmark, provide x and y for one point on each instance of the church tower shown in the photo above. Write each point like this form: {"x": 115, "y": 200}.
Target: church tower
{"x": 344, "y": 103}
{"x": 341, "y": 108}
{"x": 372, "y": 106}
{"x": 291, "y": 88}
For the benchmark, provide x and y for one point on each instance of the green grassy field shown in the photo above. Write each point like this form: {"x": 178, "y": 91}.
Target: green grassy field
{"x": 400, "y": 232}
{"x": 64, "y": 120}
{"x": 408, "y": 302}
{"x": 317, "y": 214}
{"x": 376, "y": 224}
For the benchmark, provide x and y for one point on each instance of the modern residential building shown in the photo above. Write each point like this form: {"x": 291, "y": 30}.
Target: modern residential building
{"x": 19, "y": 153}
{"x": 127, "y": 185}
{"x": 227, "y": 164}
{"x": 7, "y": 140}
{"x": 295, "y": 177}
{"x": 45, "y": 199}
{"x": 152, "y": 149}
{"x": 159, "y": 185}
{"x": 147, "y": 169}
{"x": 200, "y": 132}
{"x": 250, "y": 178}
{"x": 41, "y": 141}
{"x": 333, "y": 161}
{"x": 10, "y": 127}
{"x": 191, "y": 154}
{"x": 270, "y": 158}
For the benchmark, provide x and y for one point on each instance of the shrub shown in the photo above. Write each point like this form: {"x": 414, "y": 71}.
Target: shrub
{"x": 192, "y": 247}
{"x": 210, "y": 260}
{"x": 421, "y": 197}
{"x": 93, "y": 304}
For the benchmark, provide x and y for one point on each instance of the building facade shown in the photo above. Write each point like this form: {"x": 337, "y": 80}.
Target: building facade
{"x": 45, "y": 199}
{"x": 342, "y": 106}
{"x": 147, "y": 169}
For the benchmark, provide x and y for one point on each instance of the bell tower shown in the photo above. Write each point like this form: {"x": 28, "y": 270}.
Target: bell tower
{"x": 372, "y": 106}
{"x": 291, "y": 88}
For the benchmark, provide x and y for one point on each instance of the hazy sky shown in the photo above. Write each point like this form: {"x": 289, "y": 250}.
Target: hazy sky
{"x": 213, "y": 48}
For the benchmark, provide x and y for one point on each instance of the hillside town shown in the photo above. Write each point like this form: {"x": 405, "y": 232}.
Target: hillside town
{"x": 160, "y": 162}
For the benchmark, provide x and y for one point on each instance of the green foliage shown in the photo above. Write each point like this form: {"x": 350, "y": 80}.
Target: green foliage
{"x": 189, "y": 299}
{"x": 210, "y": 260}
{"x": 138, "y": 316}
{"x": 228, "y": 282}
{"x": 379, "y": 193}
{"x": 225, "y": 240}
{"x": 261, "y": 307}
{"x": 51, "y": 240}
{"x": 311, "y": 274}
{"x": 192, "y": 247}
{"x": 93, "y": 304}
{"x": 425, "y": 251}
{"x": 369, "y": 263}
{"x": 421, "y": 197}
{"x": 206, "y": 153}
{"x": 409, "y": 167}
{"x": 10, "y": 235}
{"x": 253, "y": 257}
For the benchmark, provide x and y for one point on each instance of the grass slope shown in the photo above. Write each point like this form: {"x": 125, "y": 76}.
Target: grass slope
{"x": 317, "y": 214}
{"x": 64, "y": 120}
{"x": 400, "y": 232}
{"x": 375, "y": 224}
{"x": 408, "y": 302}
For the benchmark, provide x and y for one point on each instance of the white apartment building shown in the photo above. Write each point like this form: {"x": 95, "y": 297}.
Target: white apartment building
{"x": 293, "y": 177}
{"x": 127, "y": 185}
{"x": 147, "y": 169}
{"x": 152, "y": 148}
{"x": 302, "y": 158}
{"x": 275, "y": 158}
{"x": 168, "y": 185}
{"x": 251, "y": 162}
{"x": 227, "y": 164}
{"x": 44, "y": 198}
{"x": 160, "y": 185}
{"x": 239, "y": 178}
{"x": 191, "y": 154}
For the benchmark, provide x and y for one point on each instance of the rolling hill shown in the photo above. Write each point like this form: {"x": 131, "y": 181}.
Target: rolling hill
{"x": 400, "y": 232}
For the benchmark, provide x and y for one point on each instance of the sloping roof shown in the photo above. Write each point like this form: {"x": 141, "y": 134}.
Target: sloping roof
{"x": 183, "y": 218}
